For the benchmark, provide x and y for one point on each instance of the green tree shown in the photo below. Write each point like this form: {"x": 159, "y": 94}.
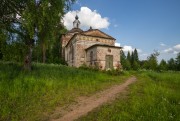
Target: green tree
{"x": 123, "y": 59}
{"x": 171, "y": 64}
{"x": 163, "y": 65}
{"x": 132, "y": 59}
{"x": 178, "y": 62}
{"x": 125, "y": 63}
{"x": 128, "y": 66}
{"x": 38, "y": 18}
{"x": 129, "y": 56}
{"x": 152, "y": 61}
{"x": 135, "y": 65}
{"x": 136, "y": 58}
{"x": 3, "y": 38}
{"x": 144, "y": 64}
{"x": 45, "y": 18}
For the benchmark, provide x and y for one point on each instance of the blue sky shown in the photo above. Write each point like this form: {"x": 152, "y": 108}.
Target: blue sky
{"x": 143, "y": 24}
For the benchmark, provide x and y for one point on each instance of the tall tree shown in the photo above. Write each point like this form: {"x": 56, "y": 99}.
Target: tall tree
{"x": 38, "y": 18}
{"x": 136, "y": 58}
{"x": 162, "y": 65}
{"x": 171, "y": 64}
{"x": 129, "y": 56}
{"x": 152, "y": 60}
{"x": 128, "y": 61}
{"x": 132, "y": 58}
{"x": 125, "y": 63}
{"x": 178, "y": 62}
{"x": 135, "y": 61}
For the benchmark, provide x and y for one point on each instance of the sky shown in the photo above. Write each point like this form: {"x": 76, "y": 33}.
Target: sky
{"x": 146, "y": 25}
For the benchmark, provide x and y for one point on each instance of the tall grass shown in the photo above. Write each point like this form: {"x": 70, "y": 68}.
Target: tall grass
{"x": 27, "y": 95}
{"x": 154, "y": 97}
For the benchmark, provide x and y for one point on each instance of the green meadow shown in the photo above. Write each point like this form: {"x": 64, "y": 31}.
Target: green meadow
{"x": 154, "y": 97}
{"x": 32, "y": 95}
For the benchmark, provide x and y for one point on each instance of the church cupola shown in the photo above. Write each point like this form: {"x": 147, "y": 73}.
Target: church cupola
{"x": 76, "y": 22}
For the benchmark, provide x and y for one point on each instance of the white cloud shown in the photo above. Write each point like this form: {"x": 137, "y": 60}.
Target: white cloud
{"x": 177, "y": 47}
{"x": 162, "y": 44}
{"x": 117, "y": 44}
{"x": 169, "y": 50}
{"x": 173, "y": 50}
{"x": 127, "y": 48}
{"x": 139, "y": 50}
{"x": 87, "y": 17}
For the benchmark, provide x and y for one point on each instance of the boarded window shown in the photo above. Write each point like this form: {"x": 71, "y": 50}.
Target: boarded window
{"x": 109, "y": 61}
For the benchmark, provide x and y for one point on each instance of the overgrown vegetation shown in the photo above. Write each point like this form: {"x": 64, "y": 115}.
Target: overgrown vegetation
{"x": 132, "y": 62}
{"x": 26, "y": 95}
{"x": 154, "y": 97}
{"x": 25, "y": 24}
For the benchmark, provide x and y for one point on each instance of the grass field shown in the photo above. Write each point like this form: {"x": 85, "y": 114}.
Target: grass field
{"x": 31, "y": 95}
{"x": 154, "y": 97}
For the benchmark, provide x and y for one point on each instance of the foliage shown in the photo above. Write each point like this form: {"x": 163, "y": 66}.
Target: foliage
{"x": 129, "y": 56}
{"x": 33, "y": 20}
{"x": 154, "y": 97}
{"x": 136, "y": 57}
{"x": 131, "y": 62}
{"x": 171, "y": 64}
{"x": 152, "y": 62}
{"x": 178, "y": 61}
{"x": 162, "y": 65}
{"x": 30, "y": 95}
{"x": 135, "y": 65}
{"x": 124, "y": 61}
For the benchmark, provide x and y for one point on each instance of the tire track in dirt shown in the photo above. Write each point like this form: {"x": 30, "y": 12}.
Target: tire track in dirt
{"x": 87, "y": 104}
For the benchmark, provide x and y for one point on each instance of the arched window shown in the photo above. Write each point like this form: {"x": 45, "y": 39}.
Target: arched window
{"x": 91, "y": 57}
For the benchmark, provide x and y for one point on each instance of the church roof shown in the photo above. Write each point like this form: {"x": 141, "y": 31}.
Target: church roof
{"x": 96, "y": 33}
{"x": 90, "y": 32}
{"x": 75, "y": 30}
{"x": 103, "y": 45}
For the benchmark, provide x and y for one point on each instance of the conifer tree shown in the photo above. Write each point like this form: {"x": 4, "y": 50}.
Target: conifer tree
{"x": 163, "y": 65}
{"x": 178, "y": 62}
{"x": 129, "y": 56}
{"x": 125, "y": 63}
{"x": 129, "y": 60}
{"x": 171, "y": 64}
{"x": 132, "y": 59}
{"x": 135, "y": 63}
{"x": 136, "y": 58}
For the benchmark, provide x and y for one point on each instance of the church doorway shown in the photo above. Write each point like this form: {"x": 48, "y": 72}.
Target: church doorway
{"x": 109, "y": 61}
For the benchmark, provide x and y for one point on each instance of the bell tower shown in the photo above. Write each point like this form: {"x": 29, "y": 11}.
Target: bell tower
{"x": 76, "y": 22}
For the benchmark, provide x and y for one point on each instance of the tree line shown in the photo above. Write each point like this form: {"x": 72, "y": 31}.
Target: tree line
{"x": 30, "y": 30}
{"x": 131, "y": 62}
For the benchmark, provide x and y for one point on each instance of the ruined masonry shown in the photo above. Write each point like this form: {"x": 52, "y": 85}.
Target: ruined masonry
{"x": 92, "y": 47}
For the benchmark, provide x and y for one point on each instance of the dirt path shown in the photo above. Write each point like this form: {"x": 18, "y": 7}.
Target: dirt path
{"x": 85, "y": 105}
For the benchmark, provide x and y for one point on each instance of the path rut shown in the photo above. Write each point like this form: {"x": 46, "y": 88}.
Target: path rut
{"x": 85, "y": 105}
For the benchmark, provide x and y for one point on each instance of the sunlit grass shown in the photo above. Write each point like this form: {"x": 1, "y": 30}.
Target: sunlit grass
{"x": 28, "y": 95}
{"x": 154, "y": 97}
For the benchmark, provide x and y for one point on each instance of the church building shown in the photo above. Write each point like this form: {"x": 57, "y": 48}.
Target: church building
{"x": 92, "y": 47}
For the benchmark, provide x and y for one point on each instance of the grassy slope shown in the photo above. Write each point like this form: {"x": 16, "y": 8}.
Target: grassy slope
{"x": 26, "y": 96}
{"x": 155, "y": 97}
